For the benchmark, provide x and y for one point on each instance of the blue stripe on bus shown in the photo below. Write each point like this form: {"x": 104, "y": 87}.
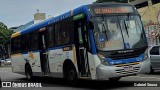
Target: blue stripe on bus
{"x": 35, "y": 51}
{"x": 125, "y": 61}
{"x": 24, "y": 52}
{"x": 53, "y": 48}
{"x": 93, "y": 47}
{"x": 59, "y": 47}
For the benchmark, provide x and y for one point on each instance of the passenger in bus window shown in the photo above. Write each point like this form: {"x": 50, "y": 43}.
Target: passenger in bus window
{"x": 64, "y": 38}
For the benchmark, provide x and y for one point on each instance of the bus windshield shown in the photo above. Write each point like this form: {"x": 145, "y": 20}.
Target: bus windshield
{"x": 118, "y": 32}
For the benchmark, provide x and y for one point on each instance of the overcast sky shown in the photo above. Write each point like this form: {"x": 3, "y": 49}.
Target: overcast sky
{"x": 18, "y": 12}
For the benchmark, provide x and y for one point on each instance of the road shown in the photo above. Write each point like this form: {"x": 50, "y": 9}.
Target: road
{"x": 126, "y": 83}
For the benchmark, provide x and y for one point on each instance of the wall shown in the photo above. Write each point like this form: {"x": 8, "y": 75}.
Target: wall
{"x": 151, "y": 20}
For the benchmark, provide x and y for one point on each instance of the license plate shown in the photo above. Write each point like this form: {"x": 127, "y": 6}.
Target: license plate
{"x": 129, "y": 68}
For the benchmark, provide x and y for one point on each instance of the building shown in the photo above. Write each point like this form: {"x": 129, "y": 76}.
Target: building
{"x": 150, "y": 15}
{"x": 38, "y": 17}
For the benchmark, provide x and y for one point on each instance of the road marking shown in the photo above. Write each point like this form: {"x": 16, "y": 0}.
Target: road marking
{"x": 146, "y": 77}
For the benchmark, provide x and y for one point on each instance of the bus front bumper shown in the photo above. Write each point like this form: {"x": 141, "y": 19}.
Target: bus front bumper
{"x": 145, "y": 68}
{"x": 104, "y": 72}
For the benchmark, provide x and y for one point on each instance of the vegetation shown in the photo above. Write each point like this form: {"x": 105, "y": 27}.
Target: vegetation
{"x": 5, "y": 34}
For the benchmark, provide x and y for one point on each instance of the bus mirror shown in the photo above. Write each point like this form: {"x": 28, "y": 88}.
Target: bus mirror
{"x": 91, "y": 26}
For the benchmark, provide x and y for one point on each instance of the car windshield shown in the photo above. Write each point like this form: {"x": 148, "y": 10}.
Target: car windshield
{"x": 118, "y": 32}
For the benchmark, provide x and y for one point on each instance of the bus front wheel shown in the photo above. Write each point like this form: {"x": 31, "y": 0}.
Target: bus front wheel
{"x": 115, "y": 79}
{"x": 29, "y": 74}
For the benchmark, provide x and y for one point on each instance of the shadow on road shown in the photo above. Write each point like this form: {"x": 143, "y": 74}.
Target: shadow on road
{"x": 88, "y": 84}
{"x": 155, "y": 73}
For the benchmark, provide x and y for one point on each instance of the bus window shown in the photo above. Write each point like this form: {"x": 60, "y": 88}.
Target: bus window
{"x": 64, "y": 33}
{"x": 16, "y": 45}
{"x": 25, "y": 43}
{"x": 34, "y": 40}
{"x": 57, "y": 38}
{"x": 50, "y": 36}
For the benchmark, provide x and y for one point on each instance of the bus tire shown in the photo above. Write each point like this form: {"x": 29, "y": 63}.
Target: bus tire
{"x": 29, "y": 74}
{"x": 151, "y": 70}
{"x": 115, "y": 79}
{"x": 71, "y": 76}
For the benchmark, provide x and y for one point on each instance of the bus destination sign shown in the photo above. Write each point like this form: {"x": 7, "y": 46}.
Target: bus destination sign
{"x": 110, "y": 10}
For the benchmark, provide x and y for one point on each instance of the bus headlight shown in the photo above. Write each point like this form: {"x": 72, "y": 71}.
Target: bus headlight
{"x": 103, "y": 60}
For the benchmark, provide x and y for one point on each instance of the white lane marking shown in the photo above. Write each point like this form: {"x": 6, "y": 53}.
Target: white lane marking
{"x": 145, "y": 77}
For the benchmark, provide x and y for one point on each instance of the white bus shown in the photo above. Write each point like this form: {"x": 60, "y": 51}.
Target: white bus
{"x": 96, "y": 41}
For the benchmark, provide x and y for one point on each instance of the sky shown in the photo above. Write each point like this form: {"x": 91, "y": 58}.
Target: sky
{"x": 19, "y": 12}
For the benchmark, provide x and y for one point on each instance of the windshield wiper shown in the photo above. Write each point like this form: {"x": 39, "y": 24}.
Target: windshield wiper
{"x": 103, "y": 27}
{"x": 126, "y": 28}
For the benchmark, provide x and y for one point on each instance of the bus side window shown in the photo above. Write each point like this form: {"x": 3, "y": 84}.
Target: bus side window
{"x": 16, "y": 45}
{"x": 50, "y": 35}
{"x": 25, "y": 43}
{"x": 71, "y": 32}
{"x": 64, "y": 33}
{"x": 80, "y": 36}
{"x": 34, "y": 40}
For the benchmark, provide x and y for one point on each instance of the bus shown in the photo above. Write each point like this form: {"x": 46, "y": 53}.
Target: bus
{"x": 99, "y": 41}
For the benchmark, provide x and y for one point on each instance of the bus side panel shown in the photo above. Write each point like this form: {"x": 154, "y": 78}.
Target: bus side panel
{"x": 34, "y": 61}
{"x": 58, "y": 57}
{"x": 16, "y": 62}
{"x": 55, "y": 60}
{"x": 93, "y": 63}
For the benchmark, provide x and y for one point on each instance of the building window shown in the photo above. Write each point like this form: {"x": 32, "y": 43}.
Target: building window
{"x": 155, "y": 1}
{"x": 143, "y": 4}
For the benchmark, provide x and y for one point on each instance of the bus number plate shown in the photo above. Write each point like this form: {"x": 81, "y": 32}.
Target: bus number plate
{"x": 129, "y": 68}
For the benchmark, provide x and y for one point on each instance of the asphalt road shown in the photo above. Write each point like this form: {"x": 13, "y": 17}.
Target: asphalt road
{"x": 126, "y": 83}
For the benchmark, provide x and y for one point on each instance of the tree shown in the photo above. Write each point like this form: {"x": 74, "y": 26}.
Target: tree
{"x": 120, "y": 1}
{"x": 5, "y": 34}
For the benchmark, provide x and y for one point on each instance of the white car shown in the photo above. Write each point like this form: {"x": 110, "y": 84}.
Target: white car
{"x": 5, "y": 61}
{"x": 2, "y": 60}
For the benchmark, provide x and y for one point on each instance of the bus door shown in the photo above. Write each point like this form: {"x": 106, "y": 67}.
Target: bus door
{"x": 81, "y": 47}
{"x": 43, "y": 53}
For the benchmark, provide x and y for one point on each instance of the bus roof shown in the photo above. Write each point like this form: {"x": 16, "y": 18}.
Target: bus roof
{"x": 15, "y": 34}
{"x": 83, "y": 9}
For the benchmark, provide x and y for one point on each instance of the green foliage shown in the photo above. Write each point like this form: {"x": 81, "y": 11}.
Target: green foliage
{"x": 120, "y": 1}
{"x": 4, "y": 34}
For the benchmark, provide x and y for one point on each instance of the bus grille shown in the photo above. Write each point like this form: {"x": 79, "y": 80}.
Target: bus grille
{"x": 116, "y": 56}
{"x": 123, "y": 72}
{"x": 124, "y": 56}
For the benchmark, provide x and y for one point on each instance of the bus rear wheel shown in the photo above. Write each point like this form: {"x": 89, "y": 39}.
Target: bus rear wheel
{"x": 71, "y": 76}
{"x": 115, "y": 79}
{"x": 29, "y": 74}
